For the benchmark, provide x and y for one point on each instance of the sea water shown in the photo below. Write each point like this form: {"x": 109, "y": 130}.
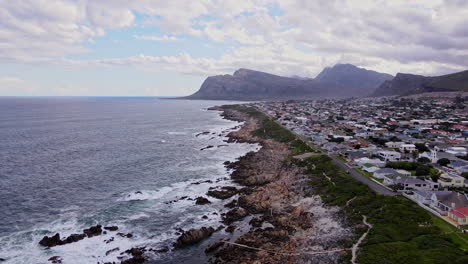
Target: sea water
{"x": 69, "y": 163}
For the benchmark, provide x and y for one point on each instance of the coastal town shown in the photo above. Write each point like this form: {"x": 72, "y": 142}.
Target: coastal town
{"x": 415, "y": 147}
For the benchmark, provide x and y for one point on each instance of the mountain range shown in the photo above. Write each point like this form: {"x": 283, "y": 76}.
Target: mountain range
{"x": 339, "y": 81}
{"x": 406, "y": 84}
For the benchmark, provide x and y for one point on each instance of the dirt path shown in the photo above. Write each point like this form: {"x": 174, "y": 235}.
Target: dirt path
{"x": 356, "y": 246}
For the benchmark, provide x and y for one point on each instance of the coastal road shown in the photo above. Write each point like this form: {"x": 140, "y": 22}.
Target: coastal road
{"x": 373, "y": 185}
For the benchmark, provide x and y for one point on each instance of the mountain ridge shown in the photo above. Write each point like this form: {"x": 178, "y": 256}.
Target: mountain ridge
{"x": 407, "y": 84}
{"x": 341, "y": 80}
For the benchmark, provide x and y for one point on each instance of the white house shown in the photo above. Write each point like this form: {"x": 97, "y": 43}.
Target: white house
{"x": 424, "y": 196}
{"x": 457, "y": 151}
{"x": 380, "y": 174}
{"x": 404, "y": 172}
{"x": 407, "y": 148}
{"x": 376, "y": 162}
{"x": 386, "y": 155}
{"x": 415, "y": 184}
{"x": 392, "y": 144}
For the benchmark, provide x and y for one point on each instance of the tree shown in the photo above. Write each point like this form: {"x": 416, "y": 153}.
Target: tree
{"x": 424, "y": 160}
{"x": 434, "y": 174}
{"x": 357, "y": 146}
{"x": 421, "y": 147}
{"x": 422, "y": 170}
{"x": 465, "y": 175}
{"x": 443, "y": 162}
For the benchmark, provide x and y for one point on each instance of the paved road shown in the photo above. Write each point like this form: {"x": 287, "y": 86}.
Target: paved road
{"x": 373, "y": 185}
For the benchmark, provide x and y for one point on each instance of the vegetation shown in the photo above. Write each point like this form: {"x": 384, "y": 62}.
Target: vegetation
{"x": 443, "y": 162}
{"x": 298, "y": 146}
{"x": 424, "y": 160}
{"x": 420, "y": 169}
{"x": 402, "y": 232}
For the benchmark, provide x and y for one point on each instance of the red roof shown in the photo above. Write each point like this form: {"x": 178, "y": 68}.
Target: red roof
{"x": 460, "y": 212}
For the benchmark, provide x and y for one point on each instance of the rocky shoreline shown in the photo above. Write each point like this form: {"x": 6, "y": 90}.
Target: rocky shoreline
{"x": 286, "y": 223}
{"x": 271, "y": 215}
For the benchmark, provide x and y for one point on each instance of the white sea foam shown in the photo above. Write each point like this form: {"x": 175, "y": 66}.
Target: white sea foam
{"x": 177, "y": 133}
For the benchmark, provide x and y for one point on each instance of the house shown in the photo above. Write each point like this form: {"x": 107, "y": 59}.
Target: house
{"x": 441, "y": 147}
{"x": 392, "y": 144}
{"x": 446, "y": 202}
{"x": 457, "y": 151}
{"x": 434, "y": 156}
{"x": 424, "y": 196}
{"x": 404, "y": 172}
{"x": 449, "y": 179}
{"x": 381, "y": 173}
{"x": 457, "y": 164}
{"x": 415, "y": 184}
{"x": 375, "y": 162}
{"x": 389, "y": 155}
{"x": 460, "y": 215}
{"x": 355, "y": 155}
{"x": 370, "y": 168}
{"x": 407, "y": 148}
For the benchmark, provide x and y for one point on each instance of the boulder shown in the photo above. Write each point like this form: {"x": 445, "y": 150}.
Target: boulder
{"x": 202, "y": 201}
{"x": 51, "y": 241}
{"x": 225, "y": 192}
{"x": 93, "y": 231}
{"x": 233, "y": 215}
{"x": 56, "y": 259}
{"x": 73, "y": 238}
{"x": 193, "y": 236}
{"x": 230, "y": 228}
{"x": 111, "y": 228}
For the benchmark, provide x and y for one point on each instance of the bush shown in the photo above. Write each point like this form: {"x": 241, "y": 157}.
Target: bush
{"x": 424, "y": 160}
{"x": 443, "y": 162}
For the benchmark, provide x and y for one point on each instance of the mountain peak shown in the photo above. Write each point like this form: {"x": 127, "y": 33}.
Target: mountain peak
{"x": 353, "y": 78}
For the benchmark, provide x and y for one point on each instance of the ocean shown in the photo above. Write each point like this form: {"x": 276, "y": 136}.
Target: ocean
{"x": 67, "y": 163}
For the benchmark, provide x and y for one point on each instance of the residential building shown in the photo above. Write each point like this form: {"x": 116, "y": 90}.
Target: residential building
{"x": 386, "y": 155}
{"x": 460, "y": 215}
{"x": 451, "y": 180}
{"x": 407, "y": 148}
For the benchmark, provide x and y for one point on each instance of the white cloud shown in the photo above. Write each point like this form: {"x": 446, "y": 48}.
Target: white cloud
{"x": 421, "y": 36}
{"x": 163, "y": 38}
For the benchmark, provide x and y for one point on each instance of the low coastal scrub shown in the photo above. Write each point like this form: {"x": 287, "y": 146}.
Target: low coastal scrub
{"x": 402, "y": 232}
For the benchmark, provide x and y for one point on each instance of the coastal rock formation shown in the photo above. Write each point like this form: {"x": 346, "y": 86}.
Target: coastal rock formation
{"x": 193, "y": 236}
{"x": 55, "y": 240}
{"x": 202, "y": 201}
{"x": 225, "y": 192}
{"x": 284, "y": 220}
{"x": 93, "y": 231}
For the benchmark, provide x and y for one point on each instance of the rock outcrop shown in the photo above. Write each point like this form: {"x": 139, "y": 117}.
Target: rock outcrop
{"x": 193, "y": 236}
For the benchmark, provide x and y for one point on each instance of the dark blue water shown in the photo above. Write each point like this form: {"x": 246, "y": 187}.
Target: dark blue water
{"x": 68, "y": 163}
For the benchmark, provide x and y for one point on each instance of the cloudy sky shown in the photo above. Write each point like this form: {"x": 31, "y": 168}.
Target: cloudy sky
{"x": 162, "y": 48}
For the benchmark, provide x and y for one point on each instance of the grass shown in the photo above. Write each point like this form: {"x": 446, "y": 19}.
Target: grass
{"x": 451, "y": 232}
{"x": 341, "y": 158}
{"x": 443, "y": 225}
